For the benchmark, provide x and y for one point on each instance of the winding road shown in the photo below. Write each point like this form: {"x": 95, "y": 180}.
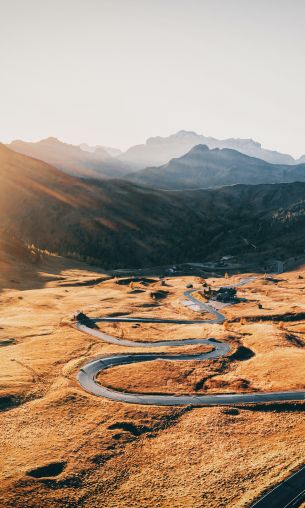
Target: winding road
{"x": 87, "y": 374}
{"x": 288, "y": 493}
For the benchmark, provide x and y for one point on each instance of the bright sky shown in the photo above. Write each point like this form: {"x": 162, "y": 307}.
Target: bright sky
{"x": 115, "y": 72}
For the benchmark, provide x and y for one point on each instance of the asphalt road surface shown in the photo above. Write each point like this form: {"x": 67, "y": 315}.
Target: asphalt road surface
{"x": 87, "y": 374}
{"x": 287, "y": 494}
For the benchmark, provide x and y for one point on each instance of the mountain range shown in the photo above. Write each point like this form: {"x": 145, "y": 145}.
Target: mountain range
{"x": 102, "y": 162}
{"x": 72, "y": 159}
{"x": 203, "y": 168}
{"x": 113, "y": 152}
{"x": 117, "y": 223}
{"x": 158, "y": 150}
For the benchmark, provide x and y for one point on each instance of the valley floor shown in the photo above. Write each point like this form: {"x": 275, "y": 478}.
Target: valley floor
{"x": 62, "y": 447}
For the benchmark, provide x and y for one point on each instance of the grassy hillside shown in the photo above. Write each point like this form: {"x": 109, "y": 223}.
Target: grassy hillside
{"x": 115, "y": 222}
{"x": 119, "y": 224}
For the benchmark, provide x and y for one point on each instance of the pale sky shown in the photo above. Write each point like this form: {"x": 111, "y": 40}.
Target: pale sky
{"x": 114, "y": 72}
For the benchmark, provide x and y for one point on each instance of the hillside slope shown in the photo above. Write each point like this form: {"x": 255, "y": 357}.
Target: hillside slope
{"x": 114, "y": 222}
{"x": 203, "y": 168}
{"x": 119, "y": 224}
{"x": 72, "y": 159}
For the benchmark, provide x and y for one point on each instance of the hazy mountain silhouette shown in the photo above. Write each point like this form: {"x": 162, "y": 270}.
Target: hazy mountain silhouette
{"x": 72, "y": 159}
{"x": 113, "y": 152}
{"x": 203, "y": 168}
{"x": 160, "y": 150}
{"x": 301, "y": 160}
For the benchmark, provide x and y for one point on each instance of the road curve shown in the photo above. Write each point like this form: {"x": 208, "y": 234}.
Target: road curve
{"x": 287, "y": 494}
{"x": 87, "y": 374}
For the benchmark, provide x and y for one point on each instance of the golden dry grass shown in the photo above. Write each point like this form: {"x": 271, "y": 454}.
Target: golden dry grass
{"x": 118, "y": 455}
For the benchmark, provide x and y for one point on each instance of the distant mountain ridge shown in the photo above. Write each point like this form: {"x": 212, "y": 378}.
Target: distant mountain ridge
{"x": 158, "y": 150}
{"x": 185, "y": 165}
{"x": 110, "y": 150}
{"x": 108, "y": 162}
{"x": 119, "y": 224}
{"x": 72, "y": 159}
{"x": 301, "y": 160}
{"x": 204, "y": 168}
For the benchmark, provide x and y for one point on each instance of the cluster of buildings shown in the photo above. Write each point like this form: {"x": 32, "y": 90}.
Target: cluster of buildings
{"x": 223, "y": 294}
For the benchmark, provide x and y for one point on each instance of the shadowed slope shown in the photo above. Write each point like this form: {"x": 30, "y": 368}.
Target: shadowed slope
{"x": 120, "y": 224}
{"x": 114, "y": 222}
